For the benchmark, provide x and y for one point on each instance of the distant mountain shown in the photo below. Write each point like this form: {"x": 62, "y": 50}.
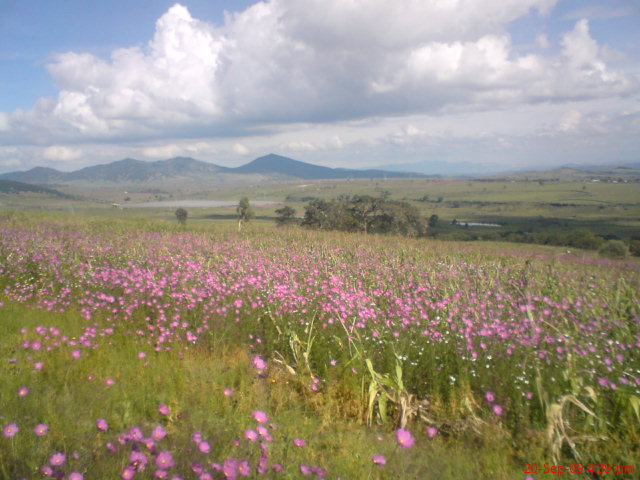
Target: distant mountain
{"x": 130, "y": 170}
{"x": 11, "y": 186}
{"x": 182, "y": 168}
{"x": 451, "y": 169}
{"x": 41, "y": 175}
{"x": 603, "y": 168}
{"x": 272, "y": 163}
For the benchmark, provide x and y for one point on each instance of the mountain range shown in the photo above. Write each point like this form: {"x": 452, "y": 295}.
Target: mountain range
{"x": 183, "y": 169}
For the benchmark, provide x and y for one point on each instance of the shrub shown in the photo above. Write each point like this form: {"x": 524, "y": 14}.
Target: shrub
{"x": 614, "y": 249}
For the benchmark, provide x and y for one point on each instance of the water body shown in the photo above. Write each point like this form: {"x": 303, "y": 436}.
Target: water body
{"x": 478, "y": 224}
{"x": 198, "y": 204}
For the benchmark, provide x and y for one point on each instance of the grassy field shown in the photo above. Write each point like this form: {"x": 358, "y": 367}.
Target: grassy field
{"x": 137, "y": 349}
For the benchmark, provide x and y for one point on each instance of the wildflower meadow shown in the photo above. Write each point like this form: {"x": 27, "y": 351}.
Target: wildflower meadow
{"x": 139, "y": 350}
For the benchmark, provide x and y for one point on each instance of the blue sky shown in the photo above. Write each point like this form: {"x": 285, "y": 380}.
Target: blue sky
{"x": 514, "y": 83}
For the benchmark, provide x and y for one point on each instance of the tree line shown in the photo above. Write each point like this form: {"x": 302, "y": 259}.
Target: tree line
{"x": 358, "y": 213}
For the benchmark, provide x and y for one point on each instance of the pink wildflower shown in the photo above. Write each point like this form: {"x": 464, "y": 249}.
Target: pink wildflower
{"x": 405, "y": 439}
{"x": 260, "y": 416}
{"x": 259, "y": 363}
{"x": 41, "y": 430}
{"x": 102, "y": 425}
{"x": 57, "y": 459}
{"x": 164, "y": 459}
{"x": 10, "y": 430}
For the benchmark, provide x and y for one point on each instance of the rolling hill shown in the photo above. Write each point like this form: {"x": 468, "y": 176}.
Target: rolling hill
{"x": 13, "y": 187}
{"x": 184, "y": 169}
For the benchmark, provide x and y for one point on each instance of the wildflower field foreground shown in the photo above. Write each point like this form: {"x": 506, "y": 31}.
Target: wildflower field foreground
{"x": 136, "y": 350}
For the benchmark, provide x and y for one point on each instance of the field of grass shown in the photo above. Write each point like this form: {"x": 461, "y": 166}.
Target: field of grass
{"x": 612, "y": 207}
{"x": 137, "y": 349}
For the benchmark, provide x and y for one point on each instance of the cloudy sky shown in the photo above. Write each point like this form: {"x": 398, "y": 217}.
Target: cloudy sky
{"x": 356, "y": 83}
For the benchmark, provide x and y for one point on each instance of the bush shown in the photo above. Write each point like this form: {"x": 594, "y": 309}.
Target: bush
{"x": 614, "y": 249}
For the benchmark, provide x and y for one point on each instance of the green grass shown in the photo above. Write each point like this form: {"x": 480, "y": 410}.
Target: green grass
{"x": 70, "y": 395}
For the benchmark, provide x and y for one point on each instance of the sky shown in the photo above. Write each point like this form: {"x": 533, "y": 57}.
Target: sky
{"x": 511, "y": 84}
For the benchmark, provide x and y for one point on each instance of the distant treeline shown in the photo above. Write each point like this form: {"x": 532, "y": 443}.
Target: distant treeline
{"x": 583, "y": 239}
{"x": 359, "y": 213}
{"x": 367, "y": 214}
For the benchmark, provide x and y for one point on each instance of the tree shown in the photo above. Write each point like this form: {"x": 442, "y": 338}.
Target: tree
{"x": 363, "y": 209}
{"x": 433, "y": 220}
{"x": 245, "y": 212}
{"x": 316, "y": 214}
{"x": 614, "y": 249}
{"x": 286, "y": 216}
{"x": 181, "y": 215}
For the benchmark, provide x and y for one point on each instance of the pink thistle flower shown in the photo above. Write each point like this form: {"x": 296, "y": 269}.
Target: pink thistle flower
{"x": 490, "y": 397}
{"x": 251, "y": 435}
{"x": 204, "y": 447}
{"x": 102, "y": 425}
{"x": 405, "y": 439}
{"x": 164, "y": 409}
{"x": 23, "y": 391}
{"x": 379, "y": 460}
{"x": 46, "y": 470}
{"x": 260, "y": 416}
{"x": 432, "y": 432}
{"x": 228, "y": 392}
{"x": 38, "y": 365}
{"x": 299, "y": 442}
{"x": 164, "y": 459}
{"x": 41, "y": 430}
{"x": 110, "y": 382}
{"x": 161, "y": 474}
{"x": 10, "y": 430}
{"x": 142, "y": 355}
{"x": 76, "y": 476}
{"x": 76, "y": 354}
{"x": 57, "y": 459}
{"x": 497, "y": 409}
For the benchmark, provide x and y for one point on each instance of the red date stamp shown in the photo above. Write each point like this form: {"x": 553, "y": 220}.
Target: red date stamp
{"x": 547, "y": 468}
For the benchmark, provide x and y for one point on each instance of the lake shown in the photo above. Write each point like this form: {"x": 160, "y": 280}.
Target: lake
{"x": 198, "y": 204}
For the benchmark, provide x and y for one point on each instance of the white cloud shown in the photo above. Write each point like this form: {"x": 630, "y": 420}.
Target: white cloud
{"x": 279, "y": 62}
{"x": 239, "y": 149}
{"x": 4, "y": 121}
{"x": 163, "y": 152}
{"x": 62, "y": 153}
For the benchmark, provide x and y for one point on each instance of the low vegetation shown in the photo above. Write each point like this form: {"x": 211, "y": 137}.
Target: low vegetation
{"x": 142, "y": 350}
